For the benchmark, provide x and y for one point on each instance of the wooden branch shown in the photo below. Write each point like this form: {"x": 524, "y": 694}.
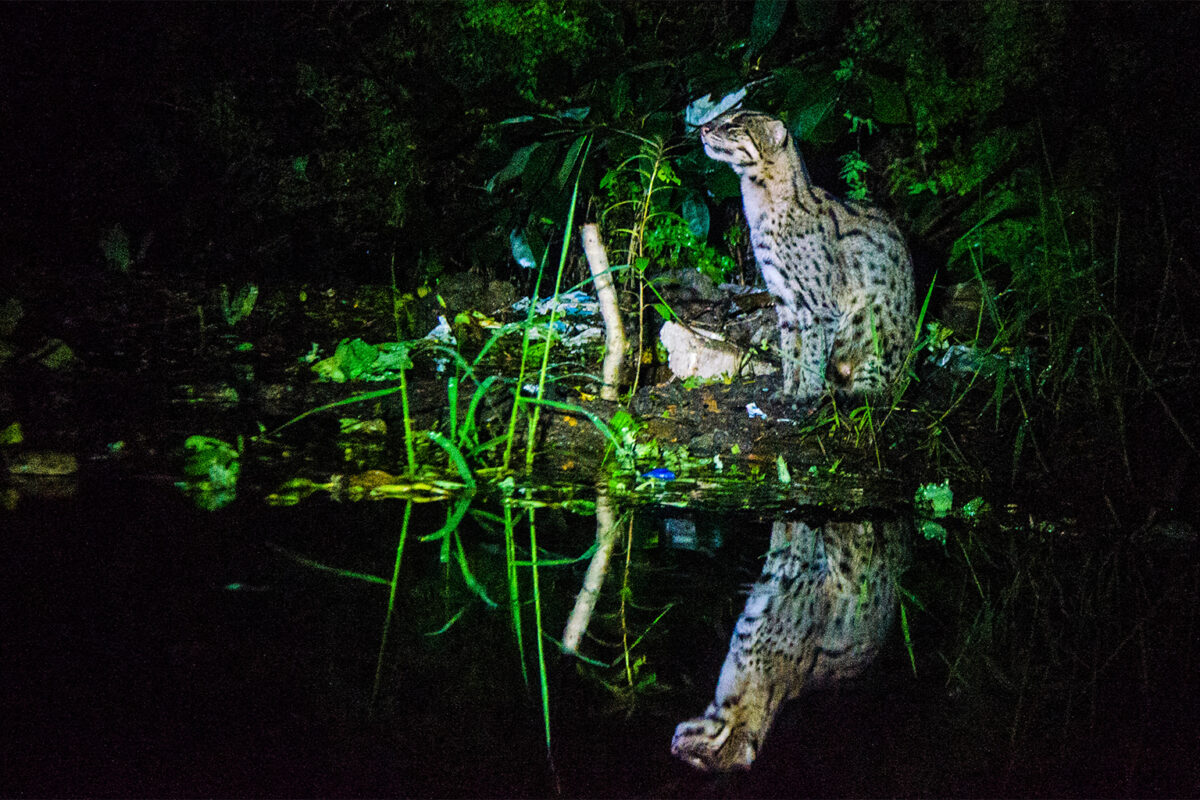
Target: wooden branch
{"x": 585, "y": 603}
{"x": 614, "y": 329}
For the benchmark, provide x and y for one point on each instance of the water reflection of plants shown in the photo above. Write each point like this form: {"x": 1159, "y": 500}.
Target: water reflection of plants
{"x": 473, "y": 451}
{"x": 1045, "y": 632}
{"x": 1067, "y": 340}
{"x": 627, "y": 676}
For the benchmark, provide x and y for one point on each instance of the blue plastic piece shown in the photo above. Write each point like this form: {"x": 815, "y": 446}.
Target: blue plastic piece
{"x": 660, "y": 473}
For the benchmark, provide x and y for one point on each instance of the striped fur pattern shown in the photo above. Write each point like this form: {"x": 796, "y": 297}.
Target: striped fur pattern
{"x": 840, "y": 271}
{"x": 818, "y": 614}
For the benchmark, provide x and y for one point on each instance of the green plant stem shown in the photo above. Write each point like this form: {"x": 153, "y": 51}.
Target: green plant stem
{"x": 409, "y": 448}
{"x": 1150, "y": 384}
{"x": 358, "y": 398}
{"x": 626, "y": 592}
{"x": 514, "y": 587}
{"x": 395, "y": 297}
{"x": 531, "y": 438}
{"x": 391, "y": 606}
{"x": 636, "y": 244}
{"x": 543, "y": 678}
{"x": 511, "y": 435}
{"x": 456, "y": 458}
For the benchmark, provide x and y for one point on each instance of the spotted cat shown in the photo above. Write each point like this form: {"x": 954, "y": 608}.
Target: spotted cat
{"x": 840, "y": 272}
{"x": 819, "y": 613}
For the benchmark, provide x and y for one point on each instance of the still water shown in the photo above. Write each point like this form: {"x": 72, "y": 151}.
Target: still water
{"x": 155, "y": 650}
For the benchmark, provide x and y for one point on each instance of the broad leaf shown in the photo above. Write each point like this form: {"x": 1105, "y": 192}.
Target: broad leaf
{"x": 767, "y": 15}
{"x": 514, "y": 168}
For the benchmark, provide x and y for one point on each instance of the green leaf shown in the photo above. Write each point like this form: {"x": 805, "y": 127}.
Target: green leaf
{"x": 767, "y": 16}
{"x": 912, "y": 656}
{"x": 456, "y": 457}
{"x": 623, "y": 423}
{"x": 201, "y": 453}
{"x": 695, "y": 213}
{"x": 211, "y": 469}
{"x": 354, "y": 356}
{"x": 448, "y": 624}
{"x": 12, "y": 434}
{"x": 618, "y": 95}
{"x": 806, "y": 122}
{"x": 468, "y": 577}
{"x": 972, "y": 507}
{"x": 933, "y": 530}
{"x": 937, "y": 497}
{"x": 392, "y": 357}
{"x": 515, "y": 167}
{"x": 568, "y": 165}
{"x": 888, "y": 104}
{"x": 538, "y": 167}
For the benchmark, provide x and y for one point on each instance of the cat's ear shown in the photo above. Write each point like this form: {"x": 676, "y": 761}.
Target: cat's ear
{"x": 778, "y": 132}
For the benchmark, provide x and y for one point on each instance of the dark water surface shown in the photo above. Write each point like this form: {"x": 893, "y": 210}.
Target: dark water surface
{"x": 132, "y": 668}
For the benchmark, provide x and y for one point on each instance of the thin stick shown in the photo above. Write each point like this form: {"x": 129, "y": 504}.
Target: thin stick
{"x": 585, "y": 603}
{"x": 614, "y": 330}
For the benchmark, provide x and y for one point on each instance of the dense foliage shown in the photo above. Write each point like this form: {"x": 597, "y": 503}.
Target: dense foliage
{"x": 1039, "y": 156}
{"x": 1042, "y": 151}
{"x": 362, "y": 129}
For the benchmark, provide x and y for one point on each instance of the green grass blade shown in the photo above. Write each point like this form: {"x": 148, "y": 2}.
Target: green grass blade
{"x": 308, "y": 562}
{"x": 514, "y": 587}
{"x": 391, "y": 606}
{"x": 456, "y": 457}
{"x": 543, "y": 679}
{"x": 453, "y": 518}
{"x": 472, "y": 584}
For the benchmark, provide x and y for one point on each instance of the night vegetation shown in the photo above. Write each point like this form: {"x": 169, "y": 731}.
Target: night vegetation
{"x": 347, "y": 142}
{"x": 1040, "y": 158}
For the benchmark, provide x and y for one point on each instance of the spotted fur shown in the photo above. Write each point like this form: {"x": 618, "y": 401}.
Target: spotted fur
{"x": 840, "y": 271}
{"x": 818, "y": 614}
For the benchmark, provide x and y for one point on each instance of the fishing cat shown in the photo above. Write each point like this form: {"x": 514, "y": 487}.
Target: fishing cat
{"x": 840, "y": 271}
{"x": 819, "y": 613}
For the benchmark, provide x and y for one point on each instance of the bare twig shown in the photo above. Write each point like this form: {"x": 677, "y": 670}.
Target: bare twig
{"x": 614, "y": 329}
